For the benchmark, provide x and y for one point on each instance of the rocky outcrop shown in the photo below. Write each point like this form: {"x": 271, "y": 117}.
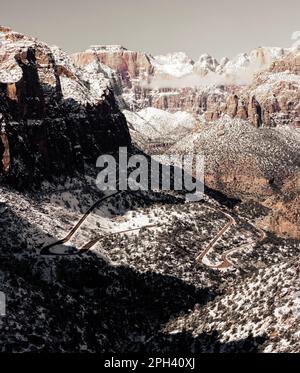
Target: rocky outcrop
{"x": 232, "y": 105}
{"x": 255, "y": 112}
{"x": 53, "y": 121}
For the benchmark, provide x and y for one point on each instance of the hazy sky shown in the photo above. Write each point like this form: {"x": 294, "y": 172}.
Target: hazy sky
{"x": 218, "y": 27}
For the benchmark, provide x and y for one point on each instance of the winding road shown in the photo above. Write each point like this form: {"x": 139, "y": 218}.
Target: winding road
{"x": 46, "y": 249}
{"x": 225, "y": 261}
{"x": 93, "y": 242}
{"x": 201, "y": 257}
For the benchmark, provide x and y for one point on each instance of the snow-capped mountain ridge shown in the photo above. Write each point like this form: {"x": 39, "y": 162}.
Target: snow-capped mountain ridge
{"x": 179, "y": 64}
{"x": 258, "y": 58}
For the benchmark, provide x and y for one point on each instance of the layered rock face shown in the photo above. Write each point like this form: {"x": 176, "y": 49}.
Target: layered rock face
{"x": 54, "y": 118}
{"x": 273, "y": 97}
{"x": 205, "y": 87}
{"x": 129, "y": 65}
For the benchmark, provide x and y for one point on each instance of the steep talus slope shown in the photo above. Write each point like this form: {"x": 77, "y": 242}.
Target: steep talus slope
{"x": 52, "y": 119}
